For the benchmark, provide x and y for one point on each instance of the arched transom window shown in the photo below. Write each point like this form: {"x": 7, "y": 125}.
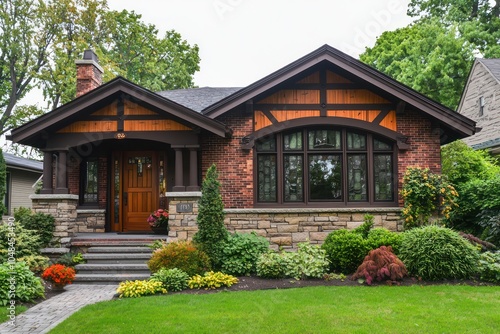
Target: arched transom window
{"x": 325, "y": 167}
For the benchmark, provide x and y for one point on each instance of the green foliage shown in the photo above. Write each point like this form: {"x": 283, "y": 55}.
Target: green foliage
{"x": 333, "y": 276}
{"x": 70, "y": 259}
{"x": 489, "y": 266}
{"x": 431, "y": 58}
{"x": 157, "y": 244}
{"x": 40, "y": 222}
{"x": 36, "y": 263}
{"x": 461, "y": 164}
{"x": 383, "y": 237}
{"x": 212, "y": 234}
{"x": 308, "y": 261}
{"x": 380, "y": 264}
{"x": 182, "y": 255}
{"x": 172, "y": 279}
{"x": 424, "y": 193}
{"x": 345, "y": 250}
{"x": 241, "y": 251}
{"x": 211, "y": 280}
{"x": 27, "y": 287}
{"x": 133, "y": 289}
{"x": 436, "y": 253}
{"x": 365, "y": 228}
{"x": 24, "y": 242}
{"x": 271, "y": 265}
{"x": 3, "y": 185}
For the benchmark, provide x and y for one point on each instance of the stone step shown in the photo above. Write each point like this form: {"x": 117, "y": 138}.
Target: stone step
{"x": 128, "y": 268}
{"x": 119, "y": 249}
{"x": 117, "y": 243}
{"x": 108, "y": 278}
{"x": 117, "y": 258}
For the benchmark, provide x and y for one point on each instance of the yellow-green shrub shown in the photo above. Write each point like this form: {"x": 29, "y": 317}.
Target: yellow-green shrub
{"x": 140, "y": 288}
{"x": 182, "y": 255}
{"x": 211, "y": 280}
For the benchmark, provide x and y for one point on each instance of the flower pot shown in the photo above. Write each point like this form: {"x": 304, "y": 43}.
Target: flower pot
{"x": 57, "y": 287}
{"x": 159, "y": 230}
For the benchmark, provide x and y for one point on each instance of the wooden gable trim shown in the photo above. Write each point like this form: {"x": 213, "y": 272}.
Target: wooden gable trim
{"x": 459, "y": 124}
{"x": 32, "y": 132}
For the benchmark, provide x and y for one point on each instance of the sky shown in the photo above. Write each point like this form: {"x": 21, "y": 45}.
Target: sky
{"x": 242, "y": 41}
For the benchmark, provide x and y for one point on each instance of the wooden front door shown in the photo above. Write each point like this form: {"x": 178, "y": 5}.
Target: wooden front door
{"x": 140, "y": 189}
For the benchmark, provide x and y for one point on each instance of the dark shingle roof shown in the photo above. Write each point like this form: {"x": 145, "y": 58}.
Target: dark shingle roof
{"x": 493, "y": 65}
{"x": 14, "y": 161}
{"x": 198, "y": 99}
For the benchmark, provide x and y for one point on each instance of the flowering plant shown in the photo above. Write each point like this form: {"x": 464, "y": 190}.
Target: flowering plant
{"x": 159, "y": 218}
{"x": 59, "y": 274}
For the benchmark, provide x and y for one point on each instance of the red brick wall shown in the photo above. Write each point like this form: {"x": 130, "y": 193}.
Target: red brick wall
{"x": 235, "y": 166}
{"x": 88, "y": 77}
{"x": 424, "y": 141}
{"x": 74, "y": 176}
{"x": 103, "y": 181}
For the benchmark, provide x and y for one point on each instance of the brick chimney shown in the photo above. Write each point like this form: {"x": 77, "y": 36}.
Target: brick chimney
{"x": 88, "y": 73}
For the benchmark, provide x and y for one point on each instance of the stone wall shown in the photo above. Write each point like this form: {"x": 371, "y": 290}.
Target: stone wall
{"x": 284, "y": 228}
{"x": 63, "y": 208}
{"x": 90, "y": 220}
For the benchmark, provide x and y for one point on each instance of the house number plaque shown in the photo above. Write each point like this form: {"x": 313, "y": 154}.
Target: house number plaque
{"x": 184, "y": 207}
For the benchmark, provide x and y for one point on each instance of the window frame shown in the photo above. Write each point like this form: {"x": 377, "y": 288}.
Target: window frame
{"x": 84, "y": 181}
{"x": 369, "y": 151}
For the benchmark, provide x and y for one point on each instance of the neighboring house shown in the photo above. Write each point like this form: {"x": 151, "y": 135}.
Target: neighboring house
{"x": 481, "y": 102}
{"x": 22, "y": 175}
{"x": 305, "y": 150}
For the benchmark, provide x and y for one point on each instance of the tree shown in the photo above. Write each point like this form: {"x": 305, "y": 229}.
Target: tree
{"x": 40, "y": 41}
{"x": 428, "y": 57}
{"x": 212, "y": 233}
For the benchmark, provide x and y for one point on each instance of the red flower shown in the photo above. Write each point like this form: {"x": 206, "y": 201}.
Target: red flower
{"x": 159, "y": 218}
{"x": 59, "y": 274}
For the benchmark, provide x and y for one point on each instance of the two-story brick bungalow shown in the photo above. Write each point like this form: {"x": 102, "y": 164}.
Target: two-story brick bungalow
{"x": 305, "y": 150}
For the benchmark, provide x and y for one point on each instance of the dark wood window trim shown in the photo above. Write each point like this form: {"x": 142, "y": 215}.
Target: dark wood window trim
{"x": 368, "y": 151}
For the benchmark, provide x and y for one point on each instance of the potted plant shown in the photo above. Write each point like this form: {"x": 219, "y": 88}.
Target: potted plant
{"x": 59, "y": 275}
{"x": 158, "y": 221}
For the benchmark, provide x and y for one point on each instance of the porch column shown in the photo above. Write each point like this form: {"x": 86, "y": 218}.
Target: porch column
{"x": 179, "y": 172}
{"x": 62, "y": 171}
{"x": 47, "y": 173}
{"x": 193, "y": 169}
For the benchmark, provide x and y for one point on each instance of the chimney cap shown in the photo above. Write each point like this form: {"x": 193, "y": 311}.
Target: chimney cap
{"x": 90, "y": 55}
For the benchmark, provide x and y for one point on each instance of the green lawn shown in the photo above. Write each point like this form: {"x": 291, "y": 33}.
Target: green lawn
{"x": 410, "y": 309}
{"x": 5, "y": 312}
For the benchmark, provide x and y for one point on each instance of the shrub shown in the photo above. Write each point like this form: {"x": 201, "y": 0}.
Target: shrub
{"x": 59, "y": 274}
{"x": 183, "y": 255}
{"x": 36, "y": 263}
{"x": 484, "y": 245}
{"x": 271, "y": 265}
{"x": 241, "y": 251}
{"x": 383, "y": 237}
{"x": 70, "y": 259}
{"x": 212, "y": 234}
{"x": 365, "y": 228}
{"x": 172, "y": 279}
{"x": 381, "y": 264}
{"x": 133, "y": 289}
{"x": 345, "y": 250}
{"x": 157, "y": 244}
{"x": 211, "y": 280}
{"x": 28, "y": 287}
{"x": 423, "y": 194}
{"x": 40, "y": 222}
{"x": 27, "y": 242}
{"x": 3, "y": 182}
{"x": 308, "y": 261}
{"x": 435, "y": 253}
{"x": 489, "y": 266}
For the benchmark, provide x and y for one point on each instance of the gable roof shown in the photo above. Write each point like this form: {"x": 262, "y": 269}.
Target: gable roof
{"x": 13, "y": 161}
{"x": 492, "y": 65}
{"x": 198, "y": 98}
{"x": 31, "y": 132}
{"x": 459, "y": 125}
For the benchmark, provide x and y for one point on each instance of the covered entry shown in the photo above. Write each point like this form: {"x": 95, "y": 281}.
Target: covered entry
{"x": 118, "y": 149}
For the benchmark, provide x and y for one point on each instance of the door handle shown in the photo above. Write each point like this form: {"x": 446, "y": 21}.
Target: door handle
{"x": 125, "y": 198}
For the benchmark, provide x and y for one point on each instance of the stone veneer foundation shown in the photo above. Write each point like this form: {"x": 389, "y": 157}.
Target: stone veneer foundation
{"x": 284, "y": 228}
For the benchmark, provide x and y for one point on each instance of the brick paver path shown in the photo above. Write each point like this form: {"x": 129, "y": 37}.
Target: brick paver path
{"x": 46, "y": 315}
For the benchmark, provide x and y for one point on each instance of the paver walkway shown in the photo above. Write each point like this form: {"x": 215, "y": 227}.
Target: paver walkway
{"x": 44, "y": 316}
